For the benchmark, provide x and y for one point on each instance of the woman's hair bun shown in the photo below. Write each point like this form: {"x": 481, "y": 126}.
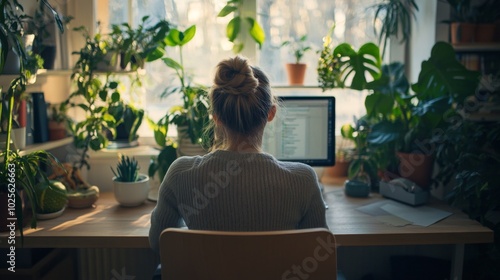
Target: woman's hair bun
{"x": 235, "y": 76}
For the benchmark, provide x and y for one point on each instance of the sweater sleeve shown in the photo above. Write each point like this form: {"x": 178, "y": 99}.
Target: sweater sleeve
{"x": 314, "y": 216}
{"x": 166, "y": 213}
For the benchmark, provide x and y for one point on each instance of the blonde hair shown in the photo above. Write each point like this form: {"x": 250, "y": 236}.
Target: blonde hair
{"x": 241, "y": 99}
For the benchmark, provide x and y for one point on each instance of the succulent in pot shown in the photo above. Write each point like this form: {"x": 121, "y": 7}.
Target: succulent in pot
{"x": 130, "y": 187}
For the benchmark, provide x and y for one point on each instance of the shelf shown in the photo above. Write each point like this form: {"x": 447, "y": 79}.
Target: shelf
{"x": 477, "y": 47}
{"x": 45, "y": 72}
{"x": 47, "y": 145}
{"x": 120, "y": 72}
{"x": 295, "y": 87}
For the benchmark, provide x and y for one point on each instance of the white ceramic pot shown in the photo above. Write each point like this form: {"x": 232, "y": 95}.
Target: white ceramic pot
{"x": 131, "y": 193}
{"x": 19, "y": 137}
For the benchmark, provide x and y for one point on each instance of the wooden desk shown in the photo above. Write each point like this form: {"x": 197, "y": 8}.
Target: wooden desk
{"x": 109, "y": 225}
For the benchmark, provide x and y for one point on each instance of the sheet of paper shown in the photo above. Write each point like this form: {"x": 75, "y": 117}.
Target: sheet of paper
{"x": 393, "y": 220}
{"x": 422, "y": 216}
{"x": 375, "y": 209}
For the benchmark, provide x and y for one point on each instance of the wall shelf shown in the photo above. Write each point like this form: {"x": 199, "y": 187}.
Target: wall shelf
{"x": 47, "y": 145}
{"x": 477, "y": 47}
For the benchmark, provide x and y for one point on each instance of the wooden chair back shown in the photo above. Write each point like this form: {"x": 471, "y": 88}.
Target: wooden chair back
{"x": 218, "y": 255}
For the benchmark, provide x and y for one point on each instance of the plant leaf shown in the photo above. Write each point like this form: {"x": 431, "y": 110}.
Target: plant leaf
{"x": 233, "y": 28}
{"x": 443, "y": 75}
{"x": 384, "y": 132}
{"x": 227, "y": 10}
{"x": 378, "y": 103}
{"x": 172, "y": 63}
{"x": 256, "y": 31}
{"x": 356, "y": 66}
{"x": 187, "y": 35}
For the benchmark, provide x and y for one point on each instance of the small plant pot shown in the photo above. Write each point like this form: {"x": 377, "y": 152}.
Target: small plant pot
{"x": 416, "y": 168}
{"x": 296, "y": 73}
{"x": 338, "y": 170}
{"x": 57, "y": 130}
{"x": 83, "y": 198}
{"x": 462, "y": 32}
{"x": 485, "y": 33}
{"x": 47, "y": 216}
{"x": 131, "y": 194}
{"x": 110, "y": 62}
{"x": 356, "y": 188}
{"x": 185, "y": 146}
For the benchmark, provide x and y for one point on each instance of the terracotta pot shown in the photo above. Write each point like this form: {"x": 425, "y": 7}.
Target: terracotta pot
{"x": 462, "y": 32}
{"x": 485, "y": 33}
{"x": 338, "y": 170}
{"x": 417, "y": 168}
{"x": 296, "y": 73}
{"x": 57, "y": 130}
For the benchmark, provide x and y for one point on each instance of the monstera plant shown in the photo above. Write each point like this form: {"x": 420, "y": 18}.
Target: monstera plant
{"x": 346, "y": 67}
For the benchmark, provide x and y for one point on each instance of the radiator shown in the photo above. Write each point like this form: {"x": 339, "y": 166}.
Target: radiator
{"x": 116, "y": 264}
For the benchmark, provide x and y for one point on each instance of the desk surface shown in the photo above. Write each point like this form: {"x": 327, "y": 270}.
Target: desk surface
{"x": 109, "y": 225}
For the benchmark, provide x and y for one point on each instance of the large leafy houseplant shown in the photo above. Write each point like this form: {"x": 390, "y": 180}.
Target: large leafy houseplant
{"x": 468, "y": 160}
{"x": 409, "y": 121}
{"x": 18, "y": 172}
{"x": 98, "y": 100}
{"x": 400, "y": 120}
{"x": 192, "y": 116}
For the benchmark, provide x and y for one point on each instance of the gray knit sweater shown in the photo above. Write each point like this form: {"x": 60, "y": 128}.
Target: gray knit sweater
{"x": 232, "y": 191}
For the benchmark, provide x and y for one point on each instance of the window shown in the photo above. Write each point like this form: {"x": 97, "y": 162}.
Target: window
{"x": 281, "y": 19}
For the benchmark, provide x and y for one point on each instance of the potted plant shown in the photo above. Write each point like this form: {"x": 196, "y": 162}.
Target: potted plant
{"x": 128, "y": 124}
{"x": 130, "y": 187}
{"x": 159, "y": 165}
{"x": 409, "y": 120}
{"x": 362, "y": 169}
{"x": 395, "y": 16}
{"x": 192, "y": 117}
{"x": 57, "y": 121}
{"x": 52, "y": 199}
{"x": 296, "y": 71}
{"x": 485, "y": 16}
{"x": 139, "y": 45}
{"x": 20, "y": 175}
{"x": 43, "y": 26}
{"x": 98, "y": 99}
{"x": 462, "y": 28}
